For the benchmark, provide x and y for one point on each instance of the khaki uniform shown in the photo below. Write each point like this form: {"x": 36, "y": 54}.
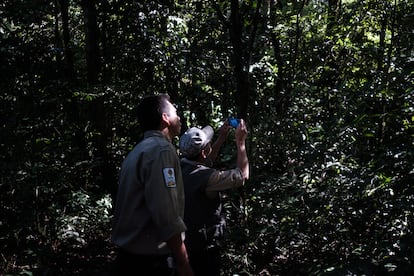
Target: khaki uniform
{"x": 203, "y": 213}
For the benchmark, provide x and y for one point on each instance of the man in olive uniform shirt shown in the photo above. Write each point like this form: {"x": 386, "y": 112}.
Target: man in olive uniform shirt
{"x": 149, "y": 208}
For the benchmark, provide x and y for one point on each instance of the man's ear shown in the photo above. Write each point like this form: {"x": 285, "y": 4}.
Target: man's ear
{"x": 203, "y": 153}
{"x": 165, "y": 118}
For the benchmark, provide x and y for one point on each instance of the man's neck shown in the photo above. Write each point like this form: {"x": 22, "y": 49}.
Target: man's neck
{"x": 166, "y": 133}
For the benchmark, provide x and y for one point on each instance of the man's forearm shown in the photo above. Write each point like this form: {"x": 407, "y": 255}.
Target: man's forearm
{"x": 179, "y": 251}
{"x": 177, "y": 247}
{"x": 215, "y": 148}
{"x": 242, "y": 160}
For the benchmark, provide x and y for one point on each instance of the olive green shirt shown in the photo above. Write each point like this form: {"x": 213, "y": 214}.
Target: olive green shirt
{"x": 149, "y": 207}
{"x": 219, "y": 180}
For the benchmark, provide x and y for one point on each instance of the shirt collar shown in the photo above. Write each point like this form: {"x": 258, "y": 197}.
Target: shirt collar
{"x": 185, "y": 160}
{"x": 152, "y": 133}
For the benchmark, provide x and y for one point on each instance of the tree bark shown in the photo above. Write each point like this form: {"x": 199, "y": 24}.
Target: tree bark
{"x": 92, "y": 41}
{"x": 241, "y": 75}
{"x": 105, "y": 172}
{"x": 69, "y": 65}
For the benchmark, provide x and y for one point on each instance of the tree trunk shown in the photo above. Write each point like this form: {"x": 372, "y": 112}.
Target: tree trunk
{"x": 70, "y": 105}
{"x": 106, "y": 54}
{"x": 105, "y": 172}
{"x": 241, "y": 75}
{"x": 92, "y": 41}
{"x": 69, "y": 66}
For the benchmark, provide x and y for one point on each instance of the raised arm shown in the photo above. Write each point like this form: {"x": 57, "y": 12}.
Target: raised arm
{"x": 242, "y": 160}
{"x": 223, "y": 133}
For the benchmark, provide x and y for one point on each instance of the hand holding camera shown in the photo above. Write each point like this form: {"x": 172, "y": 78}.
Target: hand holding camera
{"x": 241, "y": 129}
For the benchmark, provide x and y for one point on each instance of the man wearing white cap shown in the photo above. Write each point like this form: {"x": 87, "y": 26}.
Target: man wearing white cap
{"x": 202, "y": 186}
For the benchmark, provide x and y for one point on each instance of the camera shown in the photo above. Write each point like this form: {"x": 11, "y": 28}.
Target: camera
{"x": 234, "y": 122}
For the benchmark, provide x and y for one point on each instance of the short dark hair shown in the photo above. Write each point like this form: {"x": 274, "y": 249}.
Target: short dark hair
{"x": 149, "y": 111}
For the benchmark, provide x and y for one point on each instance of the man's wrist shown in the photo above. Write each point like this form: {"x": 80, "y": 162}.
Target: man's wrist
{"x": 182, "y": 258}
{"x": 241, "y": 144}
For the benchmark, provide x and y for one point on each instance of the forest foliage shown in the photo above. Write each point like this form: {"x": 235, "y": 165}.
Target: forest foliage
{"x": 326, "y": 87}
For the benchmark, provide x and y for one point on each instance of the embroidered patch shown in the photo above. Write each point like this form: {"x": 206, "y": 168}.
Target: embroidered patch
{"x": 169, "y": 177}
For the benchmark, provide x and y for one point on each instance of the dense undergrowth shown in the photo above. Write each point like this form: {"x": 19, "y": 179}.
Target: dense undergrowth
{"x": 326, "y": 88}
{"x": 342, "y": 224}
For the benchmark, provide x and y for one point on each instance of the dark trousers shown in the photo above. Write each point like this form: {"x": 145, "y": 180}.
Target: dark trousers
{"x": 206, "y": 262}
{"x": 128, "y": 264}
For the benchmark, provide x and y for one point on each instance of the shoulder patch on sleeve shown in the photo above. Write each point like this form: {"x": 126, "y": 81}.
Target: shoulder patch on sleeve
{"x": 169, "y": 177}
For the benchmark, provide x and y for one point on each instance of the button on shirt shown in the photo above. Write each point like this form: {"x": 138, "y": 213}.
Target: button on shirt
{"x": 150, "y": 201}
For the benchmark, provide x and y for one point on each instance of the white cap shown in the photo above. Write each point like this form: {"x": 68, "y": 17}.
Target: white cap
{"x": 194, "y": 140}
